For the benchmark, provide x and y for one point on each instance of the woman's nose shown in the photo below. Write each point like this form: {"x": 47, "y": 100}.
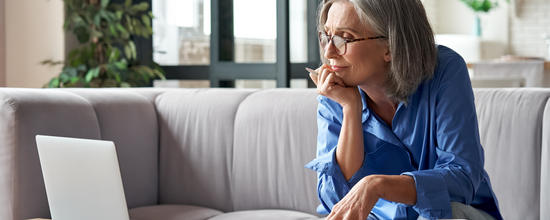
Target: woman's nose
{"x": 330, "y": 52}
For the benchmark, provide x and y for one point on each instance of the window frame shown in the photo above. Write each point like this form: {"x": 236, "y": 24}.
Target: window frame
{"x": 222, "y": 72}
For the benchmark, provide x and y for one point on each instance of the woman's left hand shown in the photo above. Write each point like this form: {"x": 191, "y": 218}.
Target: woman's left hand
{"x": 358, "y": 203}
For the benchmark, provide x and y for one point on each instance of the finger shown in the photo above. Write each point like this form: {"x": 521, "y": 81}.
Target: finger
{"x": 331, "y": 214}
{"x": 325, "y": 86}
{"x": 324, "y": 66}
{"x": 337, "y": 216}
{"x": 324, "y": 74}
{"x": 322, "y": 71}
{"x": 313, "y": 78}
{"x": 336, "y": 80}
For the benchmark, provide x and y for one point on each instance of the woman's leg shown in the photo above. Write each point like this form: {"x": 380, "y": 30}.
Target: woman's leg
{"x": 462, "y": 211}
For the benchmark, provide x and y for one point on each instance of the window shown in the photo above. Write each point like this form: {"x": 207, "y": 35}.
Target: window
{"x": 181, "y": 32}
{"x": 227, "y": 40}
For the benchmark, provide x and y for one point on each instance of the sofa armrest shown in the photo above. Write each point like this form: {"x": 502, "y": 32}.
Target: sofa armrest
{"x": 25, "y": 113}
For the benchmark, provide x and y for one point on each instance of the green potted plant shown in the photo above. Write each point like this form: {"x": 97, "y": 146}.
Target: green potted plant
{"x": 480, "y": 6}
{"x": 107, "y": 55}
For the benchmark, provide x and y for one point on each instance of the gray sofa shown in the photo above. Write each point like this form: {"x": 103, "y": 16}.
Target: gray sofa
{"x": 236, "y": 153}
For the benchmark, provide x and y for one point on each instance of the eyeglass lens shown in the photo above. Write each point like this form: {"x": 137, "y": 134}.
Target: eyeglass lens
{"x": 339, "y": 43}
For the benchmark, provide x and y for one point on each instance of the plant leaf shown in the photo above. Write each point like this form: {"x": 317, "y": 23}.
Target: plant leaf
{"x": 46, "y": 62}
{"x": 111, "y": 17}
{"x": 118, "y": 14}
{"x": 129, "y": 24}
{"x": 75, "y": 79}
{"x": 113, "y": 31}
{"x": 81, "y": 67}
{"x": 71, "y": 72}
{"x": 64, "y": 77}
{"x": 117, "y": 53}
{"x": 133, "y": 49}
{"x": 143, "y": 6}
{"x": 82, "y": 34}
{"x": 89, "y": 75}
{"x": 159, "y": 74}
{"x": 146, "y": 20}
{"x": 97, "y": 20}
{"x": 128, "y": 52}
{"x": 148, "y": 71}
{"x": 104, "y": 3}
{"x": 96, "y": 33}
{"x": 97, "y": 71}
{"x": 94, "y": 72}
{"x": 121, "y": 65}
{"x": 121, "y": 28}
{"x": 117, "y": 76}
{"x": 157, "y": 67}
{"x": 128, "y": 3}
{"x": 54, "y": 83}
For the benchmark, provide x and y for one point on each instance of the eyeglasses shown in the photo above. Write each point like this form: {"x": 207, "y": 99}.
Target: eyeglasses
{"x": 340, "y": 44}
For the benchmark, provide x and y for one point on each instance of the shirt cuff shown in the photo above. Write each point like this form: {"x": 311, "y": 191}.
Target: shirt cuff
{"x": 327, "y": 164}
{"x": 432, "y": 196}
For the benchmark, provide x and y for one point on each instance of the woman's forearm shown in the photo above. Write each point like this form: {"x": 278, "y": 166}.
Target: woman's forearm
{"x": 350, "y": 150}
{"x": 395, "y": 188}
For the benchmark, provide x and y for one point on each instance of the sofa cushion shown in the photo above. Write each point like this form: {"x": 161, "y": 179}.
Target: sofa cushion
{"x": 196, "y": 146}
{"x": 266, "y": 215}
{"x": 510, "y": 127}
{"x": 24, "y": 113}
{"x": 130, "y": 121}
{"x": 545, "y": 166}
{"x": 172, "y": 212}
{"x": 275, "y": 136}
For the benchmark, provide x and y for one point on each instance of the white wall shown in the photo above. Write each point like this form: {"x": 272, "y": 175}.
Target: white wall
{"x": 2, "y": 45}
{"x": 33, "y": 30}
{"x": 527, "y": 26}
{"x": 431, "y": 10}
{"x": 454, "y": 17}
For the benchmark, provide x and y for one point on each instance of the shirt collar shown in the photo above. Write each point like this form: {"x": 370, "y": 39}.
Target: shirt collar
{"x": 363, "y": 98}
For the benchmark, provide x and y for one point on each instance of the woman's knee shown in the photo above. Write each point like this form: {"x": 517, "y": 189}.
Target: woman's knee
{"x": 462, "y": 211}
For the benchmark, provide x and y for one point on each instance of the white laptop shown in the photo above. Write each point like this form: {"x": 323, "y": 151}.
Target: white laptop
{"x": 82, "y": 179}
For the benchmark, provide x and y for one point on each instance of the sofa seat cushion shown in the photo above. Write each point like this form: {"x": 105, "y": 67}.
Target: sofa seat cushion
{"x": 266, "y": 214}
{"x": 172, "y": 212}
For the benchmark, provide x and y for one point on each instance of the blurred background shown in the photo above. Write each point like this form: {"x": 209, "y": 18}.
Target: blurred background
{"x": 267, "y": 43}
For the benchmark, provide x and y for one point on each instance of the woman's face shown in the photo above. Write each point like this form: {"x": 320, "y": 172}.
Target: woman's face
{"x": 365, "y": 62}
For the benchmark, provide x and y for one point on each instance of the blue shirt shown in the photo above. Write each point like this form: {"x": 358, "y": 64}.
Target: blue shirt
{"x": 434, "y": 139}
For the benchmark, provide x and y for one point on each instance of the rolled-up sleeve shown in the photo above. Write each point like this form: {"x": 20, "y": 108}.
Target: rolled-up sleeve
{"x": 458, "y": 170}
{"x": 332, "y": 186}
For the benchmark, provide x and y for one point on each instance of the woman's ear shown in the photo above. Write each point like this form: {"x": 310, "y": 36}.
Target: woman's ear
{"x": 387, "y": 54}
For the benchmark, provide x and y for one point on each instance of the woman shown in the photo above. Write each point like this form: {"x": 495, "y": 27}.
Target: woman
{"x": 398, "y": 135}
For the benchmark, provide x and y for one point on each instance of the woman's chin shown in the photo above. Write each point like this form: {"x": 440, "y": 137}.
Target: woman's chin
{"x": 350, "y": 84}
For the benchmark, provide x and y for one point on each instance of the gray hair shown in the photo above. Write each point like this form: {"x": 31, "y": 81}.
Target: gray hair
{"x": 409, "y": 37}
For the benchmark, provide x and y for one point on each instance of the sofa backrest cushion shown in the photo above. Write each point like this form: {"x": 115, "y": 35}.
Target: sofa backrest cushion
{"x": 545, "y": 166}
{"x": 24, "y": 113}
{"x": 196, "y": 146}
{"x": 510, "y": 125}
{"x": 129, "y": 119}
{"x": 275, "y": 136}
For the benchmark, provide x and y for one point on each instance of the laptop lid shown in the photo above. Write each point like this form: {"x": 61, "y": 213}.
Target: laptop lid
{"x": 82, "y": 179}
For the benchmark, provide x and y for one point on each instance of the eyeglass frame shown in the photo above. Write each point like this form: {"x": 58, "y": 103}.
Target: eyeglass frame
{"x": 346, "y": 41}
